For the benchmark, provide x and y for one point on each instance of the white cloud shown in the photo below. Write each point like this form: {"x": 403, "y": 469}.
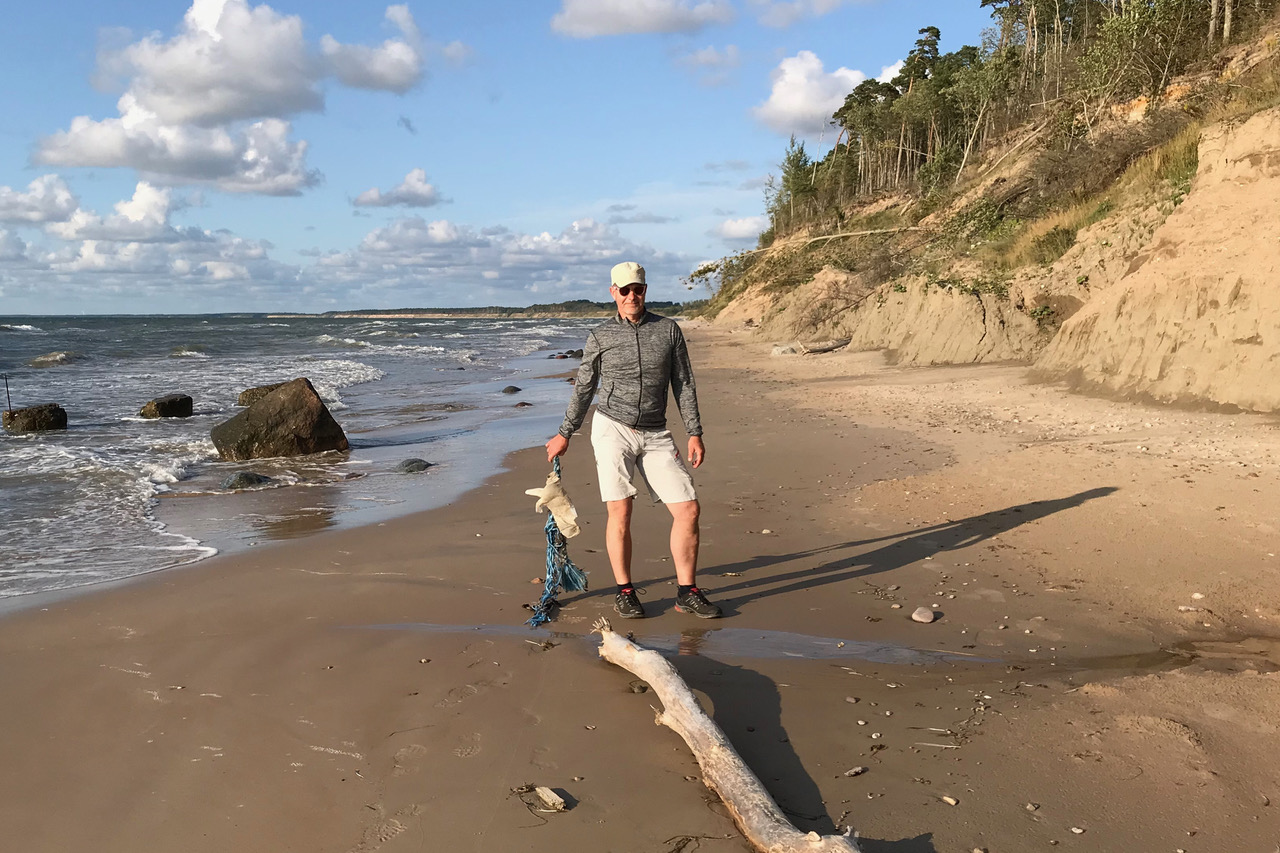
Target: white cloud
{"x": 710, "y": 57}
{"x": 741, "y": 230}
{"x": 456, "y": 53}
{"x": 411, "y": 252}
{"x": 590, "y": 18}
{"x": 414, "y": 191}
{"x": 711, "y": 65}
{"x": 805, "y": 95}
{"x": 210, "y": 104}
{"x": 784, "y": 13}
{"x": 890, "y": 71}
{"x": 47, "y": 199}
{"x": 258, "y": 158}
{"x": 204, "y": 255}
{"x": 12, "y": 247}
{"x": 395, "y": 65}
{"x": 230, "y": 61}
{"x": 143, "y": 218}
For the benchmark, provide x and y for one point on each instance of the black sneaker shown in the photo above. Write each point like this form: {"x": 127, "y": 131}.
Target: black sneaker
{"x": 696, "y": 603}
{"x": 628, "y": 605}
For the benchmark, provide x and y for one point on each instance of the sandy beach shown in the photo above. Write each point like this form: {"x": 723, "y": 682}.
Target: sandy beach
{"x": 1101, "y": 676}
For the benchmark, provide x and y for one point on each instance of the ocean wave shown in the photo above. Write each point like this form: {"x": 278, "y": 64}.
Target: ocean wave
{"x": 346, "y": 342}
{"x": 187, "y": 352}
{"x": 18, "y": 327}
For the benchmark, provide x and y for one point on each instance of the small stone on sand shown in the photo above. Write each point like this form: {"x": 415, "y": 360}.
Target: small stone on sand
{"x": 923, "y": 614}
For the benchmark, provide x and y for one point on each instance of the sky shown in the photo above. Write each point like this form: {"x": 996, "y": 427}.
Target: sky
{"x": 227, "y": 155}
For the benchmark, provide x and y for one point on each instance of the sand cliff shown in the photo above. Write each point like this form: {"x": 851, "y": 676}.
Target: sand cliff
{"x": 1197, "y": 316}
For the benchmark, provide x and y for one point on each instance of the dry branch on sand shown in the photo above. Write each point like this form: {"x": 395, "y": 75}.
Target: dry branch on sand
{"x": 723, "y": 771}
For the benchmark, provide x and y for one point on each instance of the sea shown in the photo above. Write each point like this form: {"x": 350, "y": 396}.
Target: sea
{"x": 116, "y": 495}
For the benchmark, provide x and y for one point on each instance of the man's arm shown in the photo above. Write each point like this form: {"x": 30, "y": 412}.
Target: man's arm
{"x": 584, "y": 388}
{"x": 682, "y": 385}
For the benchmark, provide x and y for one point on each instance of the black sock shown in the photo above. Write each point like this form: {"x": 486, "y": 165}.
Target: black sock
{"x": 626, "y": 587}
{"x": 685, "y": 590}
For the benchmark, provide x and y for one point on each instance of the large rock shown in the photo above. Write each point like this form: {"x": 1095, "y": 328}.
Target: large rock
{"x": 290, "y": 421}
{"x": 54, "y": 359}
{"x": 168, "y": 406}
{"x": 249, "y": 396}
{"x": 40, "y": 418}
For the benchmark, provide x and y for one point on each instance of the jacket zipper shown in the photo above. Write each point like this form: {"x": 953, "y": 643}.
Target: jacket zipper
{"x": 639, "y": 378}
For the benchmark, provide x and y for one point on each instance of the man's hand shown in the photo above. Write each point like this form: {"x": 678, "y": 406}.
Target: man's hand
{"x": 558, "y": 445}
{"x": 696, "y": 451}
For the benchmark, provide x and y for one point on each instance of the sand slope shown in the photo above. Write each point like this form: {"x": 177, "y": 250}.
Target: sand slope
{"x": 1198, "y": 315}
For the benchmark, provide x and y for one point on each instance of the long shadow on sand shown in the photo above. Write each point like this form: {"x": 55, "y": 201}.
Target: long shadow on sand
{"x": 748, "y": 709}
{"x": 901, "y": 550}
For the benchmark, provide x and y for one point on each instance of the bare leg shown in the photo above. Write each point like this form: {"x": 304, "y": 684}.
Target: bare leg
{"x": 684, "y": 540}
{"x": 617, "y": 538}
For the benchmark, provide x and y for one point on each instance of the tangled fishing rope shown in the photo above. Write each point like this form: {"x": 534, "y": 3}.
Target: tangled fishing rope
{"x": 562, "y": 574}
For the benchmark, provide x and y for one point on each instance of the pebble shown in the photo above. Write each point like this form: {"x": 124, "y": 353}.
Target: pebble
{"x": 852, "y": 700}
{"x": 893, "y": 587}
{"x": 1031, "y": 806}
{"x": 951, "y": 801}
{"x": 1077, "y": 830}
{"x": 923, "y": 614}
{"x": 895, "y": 606}
{"x": 766, "y": 531}
{"x": 855, "y": 771}
{"x": 1197, "y": 595}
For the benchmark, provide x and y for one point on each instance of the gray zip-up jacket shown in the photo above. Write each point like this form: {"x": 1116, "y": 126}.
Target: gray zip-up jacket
{"x": 633, "y": 365}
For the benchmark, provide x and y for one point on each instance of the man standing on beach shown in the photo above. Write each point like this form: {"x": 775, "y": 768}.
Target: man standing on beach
{"x": 634, "y": 358}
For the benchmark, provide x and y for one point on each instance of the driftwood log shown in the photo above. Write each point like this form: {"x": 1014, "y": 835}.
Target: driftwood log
{"x": 723, "y": 771}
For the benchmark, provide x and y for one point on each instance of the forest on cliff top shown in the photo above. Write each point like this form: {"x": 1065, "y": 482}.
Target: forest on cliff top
{"x": 1077, "y": 91}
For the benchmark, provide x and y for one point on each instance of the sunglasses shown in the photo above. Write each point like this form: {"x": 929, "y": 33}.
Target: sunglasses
{"x": 637, "y": 289}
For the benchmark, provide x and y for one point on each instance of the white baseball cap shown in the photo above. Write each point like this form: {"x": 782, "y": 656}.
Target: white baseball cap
{"x": 628, "y": 272}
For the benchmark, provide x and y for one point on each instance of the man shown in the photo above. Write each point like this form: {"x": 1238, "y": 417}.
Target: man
{"x": 634, "y": 358}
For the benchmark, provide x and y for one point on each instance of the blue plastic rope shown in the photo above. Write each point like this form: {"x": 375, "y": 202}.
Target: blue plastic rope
{"x": 562, "y": 574}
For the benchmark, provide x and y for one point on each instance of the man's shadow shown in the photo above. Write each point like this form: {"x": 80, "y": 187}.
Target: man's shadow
{"x": 748, "y": 709}
{"x": 899, "y": 549}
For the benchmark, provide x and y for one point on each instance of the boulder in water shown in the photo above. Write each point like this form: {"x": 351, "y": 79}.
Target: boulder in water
{"x": 413, "y": 466}
{"x": 249, "y": 396}
{"x": 245, "y": 480}
{"x": 512, "y": 389}
{"x": 53, "y": 359}
{"x": 42, "y": 418}
{"x": 168, "y": 406}
{"x": 523, "y": 405}
{"x": 290, "y": 421}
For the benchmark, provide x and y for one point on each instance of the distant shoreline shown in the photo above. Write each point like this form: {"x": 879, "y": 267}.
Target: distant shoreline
{"x": 442, "y": 315}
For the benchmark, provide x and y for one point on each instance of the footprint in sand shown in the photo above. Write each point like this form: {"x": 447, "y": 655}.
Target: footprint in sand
{"x": 458, "y": 695}
{"x": 408, "y": 759}
{"x": 469, "y": 747}
{"x": 541, "y": 759}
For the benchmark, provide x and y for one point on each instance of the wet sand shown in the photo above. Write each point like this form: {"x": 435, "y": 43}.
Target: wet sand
{"x": 373, "y": 689}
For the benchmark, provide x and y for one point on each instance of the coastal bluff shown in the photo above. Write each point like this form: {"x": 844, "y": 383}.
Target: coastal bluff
{"x": 1197, "y": 316}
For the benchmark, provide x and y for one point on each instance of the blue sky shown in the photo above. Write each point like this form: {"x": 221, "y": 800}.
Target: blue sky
{"x": 229, "y": 155}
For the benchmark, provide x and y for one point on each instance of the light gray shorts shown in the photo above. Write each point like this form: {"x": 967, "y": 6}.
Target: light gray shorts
{"x": 621, "y": 451}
